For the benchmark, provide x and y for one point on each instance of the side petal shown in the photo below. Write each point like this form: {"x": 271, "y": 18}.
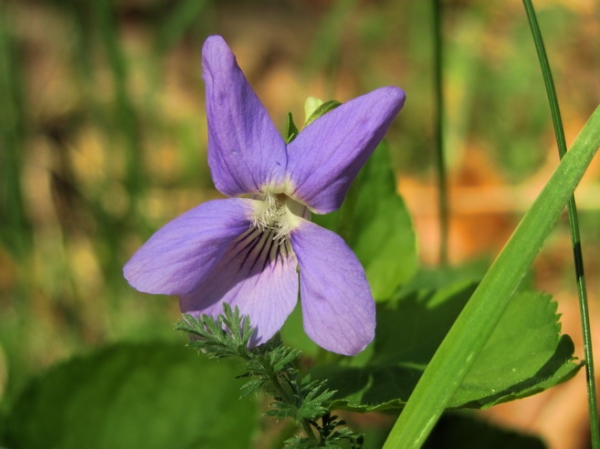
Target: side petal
{"x": 337, "y": 306}
{"x": 258, "y": 275}
{"x": 326, "y": 156}
{"x": 183, "y": 252}
{"x": 245, "y": 150}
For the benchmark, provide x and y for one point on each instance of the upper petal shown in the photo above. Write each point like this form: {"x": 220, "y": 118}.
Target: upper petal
{"x": 258, "y": 275}
{"x": 337, "y": 306}
{"x": 326, "y": 156}
{"x": 245, "y": 150}
{"x": 180, "y": 254}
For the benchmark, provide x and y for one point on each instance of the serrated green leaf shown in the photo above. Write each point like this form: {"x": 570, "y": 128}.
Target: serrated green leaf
{"x": 314, "y": 408}
{"x": 310, "y": 411}
{"x": 281, "y": 357}
{"x": 281, "y": 410}
{"x": 134, "y": 395}
{"x": 524, "y": 355}
{"x": 251, "y": 387}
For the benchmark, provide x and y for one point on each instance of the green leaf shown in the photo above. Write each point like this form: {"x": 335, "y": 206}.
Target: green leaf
{"x": 134, "y": 395}
{"x": 375, "y": 223}
{"x": 435, "y": 278}
{"x": 480, "y": 316}
{"x": 292, "y": 333}
{"x": 383, "y": 239}
{"x": 524, "y": 355}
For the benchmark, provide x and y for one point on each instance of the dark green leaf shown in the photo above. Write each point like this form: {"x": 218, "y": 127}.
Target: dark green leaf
{"x": 524, "y": 355}
{"x": 462, "y": 431}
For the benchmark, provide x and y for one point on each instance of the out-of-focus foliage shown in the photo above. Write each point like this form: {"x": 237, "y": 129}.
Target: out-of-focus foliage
{"x": 131, "y": 395}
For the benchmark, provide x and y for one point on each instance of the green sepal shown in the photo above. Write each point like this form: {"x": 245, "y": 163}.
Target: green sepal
{"x": 322, "y": 110}
{"x": 291, "y": 130}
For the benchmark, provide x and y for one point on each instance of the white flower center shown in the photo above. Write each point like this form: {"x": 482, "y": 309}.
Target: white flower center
{"x": 278, "y": 213}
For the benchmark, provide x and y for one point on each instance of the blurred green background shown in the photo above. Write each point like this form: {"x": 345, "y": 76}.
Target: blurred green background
{"x": 103, "y": 133}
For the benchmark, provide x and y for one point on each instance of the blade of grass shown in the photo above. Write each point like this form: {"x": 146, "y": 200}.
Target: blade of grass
{"x": 16, "y": 231}
{"x": 91, "y": 20}
{"x": 184, "y": 15}
{"x": 574, "y": 222}
{"x": 440, "y": 159}
{"x": 135, "y": 180}
{"x": 476, "y": 322}
{"x": 109, "y": 234}
{"x": 15, "y": 228}
{"x": 325, "y": 49}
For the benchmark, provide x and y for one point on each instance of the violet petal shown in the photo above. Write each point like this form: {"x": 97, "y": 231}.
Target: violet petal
{"x": 258, "y": 275}
{"x": 180, "y": 254}
{"x": 326, "y": 156}
{"x": 337, "y": 306}
{"x": 245, "y": 150}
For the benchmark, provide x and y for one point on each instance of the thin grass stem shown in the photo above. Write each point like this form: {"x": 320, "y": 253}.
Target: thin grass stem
{"x": 574, "y": 224}
{"x": 15, "y": 228}
{"x": 440, "y": 159}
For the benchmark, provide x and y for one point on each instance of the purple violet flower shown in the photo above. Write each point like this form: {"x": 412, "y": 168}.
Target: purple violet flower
{"x": 260, "y": 252}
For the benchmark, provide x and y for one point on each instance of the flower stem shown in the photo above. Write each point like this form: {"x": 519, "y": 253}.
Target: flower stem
{"x": 573, "y": 219}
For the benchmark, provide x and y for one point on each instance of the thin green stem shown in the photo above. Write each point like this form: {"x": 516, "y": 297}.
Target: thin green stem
{"x": 15, "y": 228}
{"x": 574, "y": 222}
{"x": 442, "y": 182}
